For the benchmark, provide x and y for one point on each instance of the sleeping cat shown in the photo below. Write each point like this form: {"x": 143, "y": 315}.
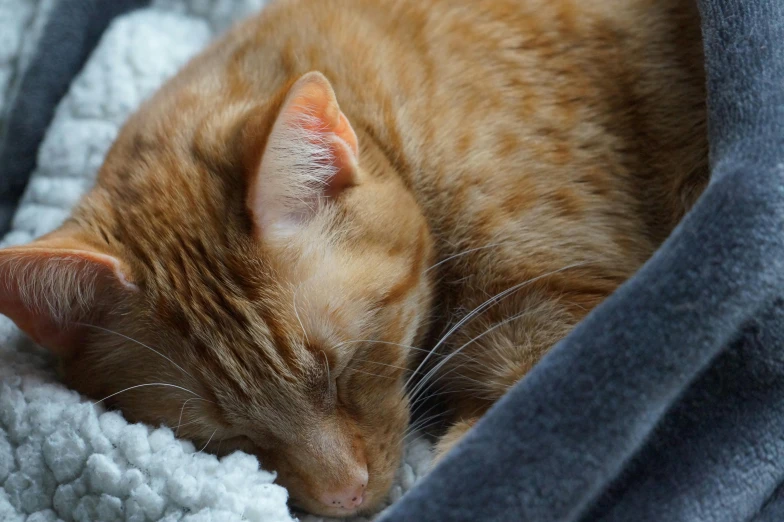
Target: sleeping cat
{"x": 344, "y": 206}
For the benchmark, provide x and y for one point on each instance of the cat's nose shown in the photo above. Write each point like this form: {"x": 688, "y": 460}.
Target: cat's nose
{"x": 351, "y": 494}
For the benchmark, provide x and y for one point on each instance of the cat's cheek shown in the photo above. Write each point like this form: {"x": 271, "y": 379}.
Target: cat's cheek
{"x": 240, "y": 443}
{"x": 299, "y": 496}
{"x": 385, "y": 448}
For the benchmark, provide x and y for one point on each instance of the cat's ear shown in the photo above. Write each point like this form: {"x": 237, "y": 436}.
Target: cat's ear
{"x": 52, "y": 287}
{"x": 311, "y": 155}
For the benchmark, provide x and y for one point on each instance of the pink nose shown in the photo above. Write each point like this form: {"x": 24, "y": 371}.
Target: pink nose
{"x": 351, "y": 495}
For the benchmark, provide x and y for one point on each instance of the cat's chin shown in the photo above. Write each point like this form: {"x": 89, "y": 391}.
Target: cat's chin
{"x": 374, "y": 502}
{"x": 329, "y": 512}
{"x": 318, "y": 509}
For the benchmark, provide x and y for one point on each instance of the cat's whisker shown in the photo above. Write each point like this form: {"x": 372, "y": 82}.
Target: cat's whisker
{"x": 140, "y": 344}
{"x": 421, "y": 432}
{"x": 368, "y": 373}
{"x": 420, "y": 416}
{"x": 182, "y": 410}
{"x": 149, "y": 384}
{"x": 417, "y": 394}
{"x": 185, "y": 424}
{"x": 484, "y": 386}
{"x": 485, "y": 305}
{"x": 438, "y": 378}
{"x": 415, "y": 428}
{"x": 482, "y": 391}
{"x": 498, "y": 384}
{"x": 424, "y": 423}
{"x": 471, "y": 379}
{"x": 381, "y": 342}
{"x": 326, "y": 364}
{"x": 388, "y": 343}
{"x": 331, "y": 386}
{"x": 377, "y": 362}
{"x": 460, "y": 254}
{"x": 432, "y": 421}
{"x": 296, "y": 312}
{"x": 473, "y": 391}
{"x": 418, "y": 389}
{"x": 380, "y": 363}
{"x": 208, "y": 441}
{"x": 417, "y": 439}
{"x": 453, "y": 329}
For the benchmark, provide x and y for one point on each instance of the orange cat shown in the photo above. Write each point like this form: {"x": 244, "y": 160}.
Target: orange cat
{"x": 340, "y": 188}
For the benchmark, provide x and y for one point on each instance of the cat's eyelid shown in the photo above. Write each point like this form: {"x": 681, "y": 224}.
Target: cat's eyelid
{"x": 338, "y": 368}
{"x": 331, "y": 379}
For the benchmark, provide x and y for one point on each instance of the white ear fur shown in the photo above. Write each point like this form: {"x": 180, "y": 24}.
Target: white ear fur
{"x": 49, "y": 287}
{"x": 295, "y": 173}
{"x": 57, "y": 284}
{"x": 310, "y": 156}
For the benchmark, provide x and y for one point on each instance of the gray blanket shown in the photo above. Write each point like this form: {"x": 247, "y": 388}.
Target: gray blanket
{"x": 667, "y": 402}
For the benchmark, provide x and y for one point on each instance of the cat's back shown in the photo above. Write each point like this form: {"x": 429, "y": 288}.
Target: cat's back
{"x": 516, "y": 104}
{"x": 581, "y": 122}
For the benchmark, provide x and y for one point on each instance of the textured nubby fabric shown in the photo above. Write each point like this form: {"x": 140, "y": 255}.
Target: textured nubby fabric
{"x": 667, "y": 402}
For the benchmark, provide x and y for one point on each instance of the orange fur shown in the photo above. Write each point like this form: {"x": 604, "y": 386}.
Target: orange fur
{"x": 517, "y": 159}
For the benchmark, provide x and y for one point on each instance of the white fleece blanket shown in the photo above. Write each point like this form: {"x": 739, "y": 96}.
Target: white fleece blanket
{"x": 61, "y": 457}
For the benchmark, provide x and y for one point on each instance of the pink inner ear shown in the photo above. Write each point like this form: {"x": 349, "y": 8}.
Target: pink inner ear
{"x": 310, "y": 157}
{"x": 340, "y": 181}
{"x": 47, "y": 292}
{"x": 61, "y": 340}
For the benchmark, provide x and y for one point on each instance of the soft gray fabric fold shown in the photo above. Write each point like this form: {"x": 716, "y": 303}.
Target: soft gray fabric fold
{"x": 667, "y": 402}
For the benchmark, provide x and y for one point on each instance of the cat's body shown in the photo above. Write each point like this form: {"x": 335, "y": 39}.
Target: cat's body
{"x": 510, "y": 164}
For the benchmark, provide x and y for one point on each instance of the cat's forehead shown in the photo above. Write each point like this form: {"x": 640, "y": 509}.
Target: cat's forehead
{"x": 258, "y": 363}
{"x": 249, "y": 315}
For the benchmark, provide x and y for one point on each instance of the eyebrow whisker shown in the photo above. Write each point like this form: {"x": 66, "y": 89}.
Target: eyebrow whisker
{"x": 149, "y": 384}
{"x": 139, "y": 343}
{"x": 208, "y": 441}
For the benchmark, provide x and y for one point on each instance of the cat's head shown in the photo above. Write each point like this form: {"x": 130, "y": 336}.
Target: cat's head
{"x": 249, "y": 275}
